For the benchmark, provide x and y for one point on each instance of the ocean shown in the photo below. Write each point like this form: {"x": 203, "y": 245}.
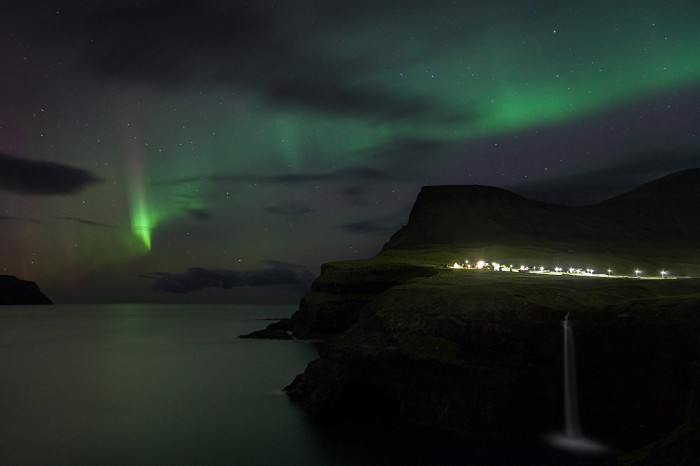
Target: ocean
{"x": 174, "y": 385}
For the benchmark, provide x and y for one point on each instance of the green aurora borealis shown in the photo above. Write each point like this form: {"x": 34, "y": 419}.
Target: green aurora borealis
{"x": 228, "y": 133}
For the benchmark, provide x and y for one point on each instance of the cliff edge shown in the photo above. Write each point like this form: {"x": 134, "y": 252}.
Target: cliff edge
{"x": 477, "y": 351}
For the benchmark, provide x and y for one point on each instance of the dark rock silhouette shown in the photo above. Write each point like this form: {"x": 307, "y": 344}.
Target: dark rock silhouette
{"x": 16, "y": 291}
{"x": 464, "y": 215}
{"x": 668, "y": 206}
{"x": 479, "y": 352}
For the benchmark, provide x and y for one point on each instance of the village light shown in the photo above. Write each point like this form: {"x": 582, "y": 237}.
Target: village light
{"x": 480, "y": 264}
{"x": 637, "y": 272}
{"x": 663, "y": 274}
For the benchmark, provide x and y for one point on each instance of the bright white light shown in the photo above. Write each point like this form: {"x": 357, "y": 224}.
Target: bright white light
{"x": 457, "y": 266}
{"x": 637, "y": 272}
{"x": 663, "y": 273}
{"x": 541, "y": 269}
{"x": 609, "y": 271}
{"x": 480, "y": 264}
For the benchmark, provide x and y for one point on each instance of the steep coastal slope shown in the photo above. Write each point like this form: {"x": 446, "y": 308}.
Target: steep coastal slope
{"x": 480, "y": 351}
{"x": 16, "y": 291}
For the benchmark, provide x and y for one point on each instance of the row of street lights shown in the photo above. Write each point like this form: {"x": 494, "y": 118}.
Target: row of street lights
{"x": 496, "y": 266}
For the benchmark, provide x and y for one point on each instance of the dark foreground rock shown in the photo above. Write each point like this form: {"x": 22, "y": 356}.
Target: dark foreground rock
{"x": 16, "y": 291}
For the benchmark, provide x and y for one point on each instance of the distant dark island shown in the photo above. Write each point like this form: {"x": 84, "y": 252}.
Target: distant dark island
{"x": 480, "y": 352}
{"x": 16, "y": 291}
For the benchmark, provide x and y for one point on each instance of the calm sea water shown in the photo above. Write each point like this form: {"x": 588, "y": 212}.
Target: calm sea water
{"x": 174, "y": 385}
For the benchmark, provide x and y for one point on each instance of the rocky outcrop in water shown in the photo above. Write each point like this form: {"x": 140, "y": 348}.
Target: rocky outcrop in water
{"x": 16, "y": 291}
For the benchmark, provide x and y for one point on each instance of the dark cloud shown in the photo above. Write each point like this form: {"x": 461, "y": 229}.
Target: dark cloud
{"x": 289, "y": 210}
{"x": 19, "y": 219}
{"x": 379, "y": 226}
{"x": 411, "y": 158}
{"x": 198, "y": 214}
{"x": 83, "y": 221}
{"x": 355, "y": 191}
{"x": 259, "y": 46}
{"x": 32, "y": 177}
{"x": 361, "y": 173}
{"x": 327, "y": 96}
{"x": 351, "y": 174}
{"x": 197, "y": 278}
{"x": 223, "y": 178}
{"x": 399, "y": 160}
{"x": 627, "y": 172}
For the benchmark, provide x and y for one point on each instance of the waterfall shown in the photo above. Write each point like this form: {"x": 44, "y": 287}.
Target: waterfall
{"x": 572, "y": 439}
{"x": 573, "y": 424}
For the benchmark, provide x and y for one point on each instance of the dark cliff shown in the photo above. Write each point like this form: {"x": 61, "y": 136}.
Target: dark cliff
{"x": 16, "y": 291}
{"x": 464, "y": 215}
{"x": 480, "y": 352}
{"x": 667, "y": 206}
{"x": 468, "y": 215}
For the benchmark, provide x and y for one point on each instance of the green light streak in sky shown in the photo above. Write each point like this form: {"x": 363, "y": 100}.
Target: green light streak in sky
{"x": 141, "y": 218}
{"x": 141, "y": 225}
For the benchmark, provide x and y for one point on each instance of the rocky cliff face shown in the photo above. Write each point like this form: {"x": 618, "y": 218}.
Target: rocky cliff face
{"x": 470, "y": 351}
{"x": 481, "y": 353}
{"x": 16, "y": 291}
{"x": 343, "y": 289}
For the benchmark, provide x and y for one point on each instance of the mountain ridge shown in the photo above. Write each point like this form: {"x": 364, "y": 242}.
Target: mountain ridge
{"x": 468, "y": 214}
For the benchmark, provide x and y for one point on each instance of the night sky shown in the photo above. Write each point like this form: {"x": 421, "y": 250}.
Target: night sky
{"x": 220, "y": 151}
